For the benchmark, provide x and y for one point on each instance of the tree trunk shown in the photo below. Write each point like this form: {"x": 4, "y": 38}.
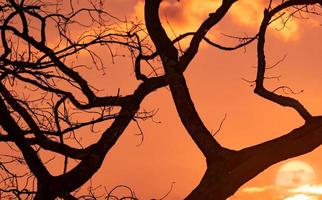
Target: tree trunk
{"x": 215, "y": 184}
{"x": 44, "y": 193}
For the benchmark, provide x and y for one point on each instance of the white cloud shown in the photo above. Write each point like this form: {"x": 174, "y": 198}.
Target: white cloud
{"x": 257, "y": 189}
{"x": 308, "y": 189}
{"x": 301, "y": 197}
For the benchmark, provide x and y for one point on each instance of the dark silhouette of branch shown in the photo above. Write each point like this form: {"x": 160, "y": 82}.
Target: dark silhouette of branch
{"x": 260, "y": 89}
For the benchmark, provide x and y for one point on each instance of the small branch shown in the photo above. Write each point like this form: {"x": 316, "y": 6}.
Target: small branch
{"x": 220, "y": 125}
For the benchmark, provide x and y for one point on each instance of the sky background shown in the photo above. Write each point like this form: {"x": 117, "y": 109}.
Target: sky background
{"x": 215, "y": 79}
{"x": 167, "y": 157}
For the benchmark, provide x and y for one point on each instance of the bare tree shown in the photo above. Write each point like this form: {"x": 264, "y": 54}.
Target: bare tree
{"x": 42, "y": 90}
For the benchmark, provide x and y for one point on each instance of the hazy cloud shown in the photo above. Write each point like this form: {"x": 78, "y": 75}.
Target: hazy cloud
{"x": 187, "y": 15}
{"x": 304, "y": 192}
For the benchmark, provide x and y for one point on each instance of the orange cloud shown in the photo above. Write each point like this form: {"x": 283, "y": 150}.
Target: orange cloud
{"x": 186, "y": 15}
{"x": 180, "y": 17}
{"x": 250, "y": 14}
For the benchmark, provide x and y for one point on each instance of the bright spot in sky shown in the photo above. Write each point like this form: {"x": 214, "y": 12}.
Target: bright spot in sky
{"x": 308, "y": 189}
{"x": 299, "y": 197}
{"x": 294, "y": 174}
{"x": 295, "y": 180}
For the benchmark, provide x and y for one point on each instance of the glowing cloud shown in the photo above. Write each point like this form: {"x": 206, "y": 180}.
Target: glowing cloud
{"x": 301, "y": 197}
{"x": 250, "y": 13}
{"x": 257, "y": 189}
{"x": 288, "y": 29}
{"x": 181, "y": 17}
{"x": 308, "y": 189}
{"x": 305, "y": 192}
{"x": 186, "y": 15}
{"x": 295, "y": 174}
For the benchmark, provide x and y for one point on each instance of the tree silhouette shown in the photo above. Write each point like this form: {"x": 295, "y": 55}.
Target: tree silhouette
{"x": 42, "y": 90}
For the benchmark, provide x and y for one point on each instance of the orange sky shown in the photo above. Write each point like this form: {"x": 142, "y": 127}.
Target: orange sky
{"x": 167, "y": 155}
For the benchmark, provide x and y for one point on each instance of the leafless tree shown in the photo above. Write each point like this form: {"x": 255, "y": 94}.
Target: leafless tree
{"x": 41, "y": 90}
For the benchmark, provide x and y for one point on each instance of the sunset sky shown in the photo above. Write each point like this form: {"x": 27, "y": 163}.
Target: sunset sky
{"x": 220, "y": 83}
{"x": 167, "y": 155}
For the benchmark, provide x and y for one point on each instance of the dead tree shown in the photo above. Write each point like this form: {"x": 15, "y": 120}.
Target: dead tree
{"x": 43, "y": 121}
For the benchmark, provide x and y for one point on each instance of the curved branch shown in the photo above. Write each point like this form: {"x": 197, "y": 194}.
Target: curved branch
{"x": 245, "y": 42}
{"x": 260, "y": 89}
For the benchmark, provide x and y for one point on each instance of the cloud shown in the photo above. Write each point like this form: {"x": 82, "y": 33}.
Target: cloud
{"x": 180, "y": 17}
{"x": 301, "y": 197}
{"x": 250, "y": 14}
{"x": 187, "y": 15}
{"x": 257, "y": 189}
{"x": 304, "y": 192}
{"x": 308, "y": 189}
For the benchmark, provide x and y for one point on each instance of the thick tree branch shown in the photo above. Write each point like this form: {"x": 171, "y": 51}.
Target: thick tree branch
{"x": 253, "y": 160}
{"x": 97, "y": 152}
{"x": 225, "y": 176}
{"x": 30, "y": 155}
{"x": 163, "y": 44}
{"x": 21, "y": 110}
{"x": 179, "y": 90}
